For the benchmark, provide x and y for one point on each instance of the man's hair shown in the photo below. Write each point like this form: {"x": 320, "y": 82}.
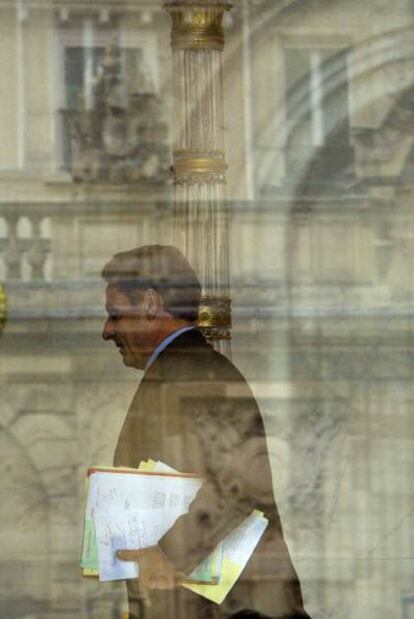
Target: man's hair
{"x": 161, "y": 267}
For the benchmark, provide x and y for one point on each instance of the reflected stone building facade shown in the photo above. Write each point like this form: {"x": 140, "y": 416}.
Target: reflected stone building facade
{"x": 318, "y": 129}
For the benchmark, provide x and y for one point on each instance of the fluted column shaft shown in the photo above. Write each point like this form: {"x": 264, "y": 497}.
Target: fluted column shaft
{"x": 199, "y": 167}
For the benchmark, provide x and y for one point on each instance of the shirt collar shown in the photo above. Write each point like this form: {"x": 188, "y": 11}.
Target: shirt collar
{"x": 158, "y": 350}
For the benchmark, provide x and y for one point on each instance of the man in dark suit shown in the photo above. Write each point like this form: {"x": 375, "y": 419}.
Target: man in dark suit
{"x": 194, "y": 411}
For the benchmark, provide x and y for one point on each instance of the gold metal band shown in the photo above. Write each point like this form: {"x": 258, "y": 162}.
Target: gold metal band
{"x": 214, "y": 317}
{"x": 197, "y": 25}
{"x": 200, "y": 166}
{"x": 186, "y": 153}
{"x": 204, "y": 167}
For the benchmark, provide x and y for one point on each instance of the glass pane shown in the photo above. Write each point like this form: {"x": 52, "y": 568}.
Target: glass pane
{"x": 206, "y": 272}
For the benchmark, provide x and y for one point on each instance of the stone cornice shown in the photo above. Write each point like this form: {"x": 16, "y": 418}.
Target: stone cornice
{"x": 136, "y": 6}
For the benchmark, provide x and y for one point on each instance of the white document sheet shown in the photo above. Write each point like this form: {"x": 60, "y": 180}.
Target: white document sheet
{"x": 238, "y": 547}
{"x": 161, "y": 467}
{"x": 129, "y": 529}
{"x": 134, "y": 511}
{"x": 122, "y": 492}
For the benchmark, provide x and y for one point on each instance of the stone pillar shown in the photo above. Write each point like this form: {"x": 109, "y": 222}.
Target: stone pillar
{"x": 199, "y": 167}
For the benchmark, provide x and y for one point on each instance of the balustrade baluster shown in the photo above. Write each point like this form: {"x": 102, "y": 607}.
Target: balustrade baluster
{"x": 13, "y": 253}
{"x": 37, "y": 253}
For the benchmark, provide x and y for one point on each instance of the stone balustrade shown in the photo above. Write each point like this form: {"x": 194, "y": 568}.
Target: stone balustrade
{"x": 24, "y": 245}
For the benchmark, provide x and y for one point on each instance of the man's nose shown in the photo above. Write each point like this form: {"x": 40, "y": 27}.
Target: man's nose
{"x": 108, "y": 331}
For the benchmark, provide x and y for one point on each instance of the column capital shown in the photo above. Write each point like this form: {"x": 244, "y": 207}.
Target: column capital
{"x": 197, "y": 24}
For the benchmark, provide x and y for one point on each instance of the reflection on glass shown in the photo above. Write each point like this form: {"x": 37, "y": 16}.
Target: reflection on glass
{"x": 318, "y": 138}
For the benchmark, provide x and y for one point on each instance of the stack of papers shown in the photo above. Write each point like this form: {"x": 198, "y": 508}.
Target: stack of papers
{"x": 134, "y": 508}
{"x": 237, "y": 549}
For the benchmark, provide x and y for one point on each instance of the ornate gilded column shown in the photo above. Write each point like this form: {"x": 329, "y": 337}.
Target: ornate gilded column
{"x": 199, "y": 167}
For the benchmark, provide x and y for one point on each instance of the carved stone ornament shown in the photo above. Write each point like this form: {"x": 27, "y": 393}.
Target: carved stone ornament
{"x": 120, "y": 136}
{"x": 214, "y": 317}
{"x": 3, "y": 309}
{"x": 379, "y": 145}
{"x": 197, "y": 25}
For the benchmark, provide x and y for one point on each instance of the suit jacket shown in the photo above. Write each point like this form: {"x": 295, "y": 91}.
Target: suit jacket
{"x": 194, "y": 411}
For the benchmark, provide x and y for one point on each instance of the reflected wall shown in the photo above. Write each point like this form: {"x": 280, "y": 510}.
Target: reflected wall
{"x": 318, "y": 118}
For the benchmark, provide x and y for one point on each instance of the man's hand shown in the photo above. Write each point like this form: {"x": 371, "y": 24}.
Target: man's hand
{"x": 155, "y": 569}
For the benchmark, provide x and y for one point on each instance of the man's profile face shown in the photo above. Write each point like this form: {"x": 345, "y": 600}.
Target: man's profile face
{"x": 126, "y": 326}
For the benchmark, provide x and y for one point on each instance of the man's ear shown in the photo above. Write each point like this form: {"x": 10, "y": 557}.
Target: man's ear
{"x": 152, "y": 303}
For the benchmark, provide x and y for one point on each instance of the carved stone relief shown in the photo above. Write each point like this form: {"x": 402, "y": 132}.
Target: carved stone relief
{"x": 119, "y": 136}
